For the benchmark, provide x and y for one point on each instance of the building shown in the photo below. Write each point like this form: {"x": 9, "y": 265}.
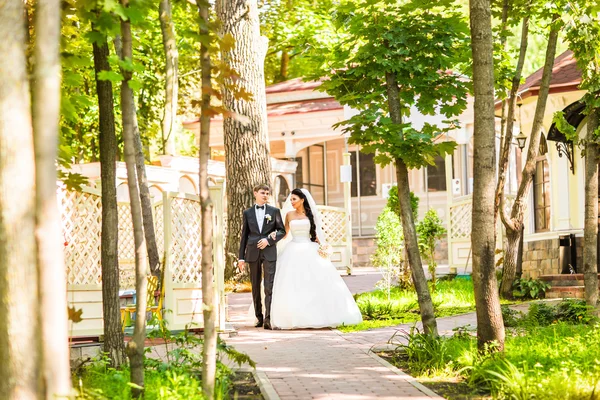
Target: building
{"x": 300, "y": 125}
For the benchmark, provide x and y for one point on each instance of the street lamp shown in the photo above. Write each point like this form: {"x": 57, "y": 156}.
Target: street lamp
{"x": 521, "y": 139}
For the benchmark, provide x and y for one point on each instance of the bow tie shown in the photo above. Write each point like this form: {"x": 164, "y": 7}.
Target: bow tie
{"x": 260, "y": 207}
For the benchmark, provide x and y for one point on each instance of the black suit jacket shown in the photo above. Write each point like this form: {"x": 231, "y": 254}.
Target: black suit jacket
{"x": 251, "y": 234}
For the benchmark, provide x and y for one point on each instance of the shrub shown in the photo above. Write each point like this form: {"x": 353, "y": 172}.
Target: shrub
{"x": 430, "y": 229}
{"x": 574, "y": 311}
{"x": 530, "y": 288}
{"x": 388, "y": 256}
{"x": 510, "y": 317}
{"x": 540, "y": 314}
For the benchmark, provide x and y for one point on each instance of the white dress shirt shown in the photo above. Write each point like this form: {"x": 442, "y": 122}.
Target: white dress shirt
{"x": 260, "y": 215}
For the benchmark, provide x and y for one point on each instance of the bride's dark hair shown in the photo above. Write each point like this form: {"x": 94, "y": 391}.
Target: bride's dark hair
{"x": 309, "y": 214}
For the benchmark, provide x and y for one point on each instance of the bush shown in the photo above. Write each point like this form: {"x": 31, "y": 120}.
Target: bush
{"x": 574, "y": 311}
{"x": 176, "y": 376}
{"x": 430, "y": 229}
{"x": 510, "y": 317}
{"x": 530, "y": 288}
{"x": 388, "y": 254}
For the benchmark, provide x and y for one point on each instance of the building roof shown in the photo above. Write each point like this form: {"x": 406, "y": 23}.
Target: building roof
{"x": 565, "y": 76}
{"x": 292, "y": 85}
{"x": 303, "y": 106}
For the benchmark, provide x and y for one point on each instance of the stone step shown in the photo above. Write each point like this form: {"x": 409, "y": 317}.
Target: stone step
{"x": 564, "y": 279}
{"x": 563, "y": 292}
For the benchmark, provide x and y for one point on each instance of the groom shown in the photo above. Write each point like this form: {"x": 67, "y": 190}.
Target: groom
{"x": 257, "y": 248}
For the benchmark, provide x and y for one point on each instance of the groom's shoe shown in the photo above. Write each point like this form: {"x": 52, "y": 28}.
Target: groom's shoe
{"x": 268, "y": 326}
{"x": 259, "y": 324}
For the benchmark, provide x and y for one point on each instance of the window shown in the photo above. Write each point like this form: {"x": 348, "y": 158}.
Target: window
{"x": 436, "y": 175}
{"x": 541, "y": 195}
{"x": 310, "y": 173}
{"x": 368, "y": 175}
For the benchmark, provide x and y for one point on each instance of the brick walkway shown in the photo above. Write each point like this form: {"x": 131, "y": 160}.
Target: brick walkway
{"x": 327, "y": 364}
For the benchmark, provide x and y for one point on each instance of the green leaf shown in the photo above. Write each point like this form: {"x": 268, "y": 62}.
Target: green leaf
{"x": 110, "y": 76}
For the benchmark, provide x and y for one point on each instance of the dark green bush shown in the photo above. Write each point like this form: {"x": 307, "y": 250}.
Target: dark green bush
{"x": 529, "y": 288}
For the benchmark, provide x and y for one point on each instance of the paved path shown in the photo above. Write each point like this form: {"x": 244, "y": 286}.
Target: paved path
{"x": 327, "y": 364}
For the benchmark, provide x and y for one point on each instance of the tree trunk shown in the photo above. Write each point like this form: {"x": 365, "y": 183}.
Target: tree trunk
{"x": 246, "y": 144}
{"x": 146, "y": 201}
{"x": 209, "y": 349}
{"x": 109, "y": 259}
{"x": 283, "y": 67}
{"x": 135, "y": 347}
{"x": 515, "y": 223}
{"x": 144, "y": 191}
{"x": 590, "y": 246}
{"x": 19, "y": 308}
{"x": 171, "y": 76}
{"x": 490, "y": 327}
{"x": 510, "y": 118}
{"x": 56, "y": 371}
{"x": 408, "y": 223}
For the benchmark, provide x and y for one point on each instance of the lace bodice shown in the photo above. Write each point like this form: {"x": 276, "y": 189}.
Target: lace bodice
{"x": 300, "y": 230}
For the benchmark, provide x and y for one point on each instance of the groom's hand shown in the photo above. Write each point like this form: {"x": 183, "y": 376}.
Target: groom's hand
{"x": 241, "y": 265}
{"x": 262, "y": 243}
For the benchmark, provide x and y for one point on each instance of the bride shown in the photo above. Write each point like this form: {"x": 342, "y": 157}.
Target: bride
{"x": 308, "y": 292}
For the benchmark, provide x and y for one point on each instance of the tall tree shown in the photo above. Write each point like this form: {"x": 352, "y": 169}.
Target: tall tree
{"x": 171, "y": 75}
{"x": 135, "y": 347}
{"x": 374, "y": 71}
{"x": 209, "y": 349}
{"x": 56, "y": 373}
{"x": 582, "y": 31}
{"x": 109, "y": 258}
{"x": 514, "y": 223}
{"x": 20, "y": 333}
{"x": 490, "y": 327}
{"x": 246, "y": 137}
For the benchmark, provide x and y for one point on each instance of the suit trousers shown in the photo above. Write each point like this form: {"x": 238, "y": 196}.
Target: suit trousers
{"x": 259, "y": 268}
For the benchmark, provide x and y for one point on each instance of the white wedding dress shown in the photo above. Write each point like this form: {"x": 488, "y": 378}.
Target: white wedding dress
{"x": 308, "y": 292}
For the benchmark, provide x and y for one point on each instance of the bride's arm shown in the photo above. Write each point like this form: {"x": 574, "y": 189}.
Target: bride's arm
{"x": 287, "y": 228}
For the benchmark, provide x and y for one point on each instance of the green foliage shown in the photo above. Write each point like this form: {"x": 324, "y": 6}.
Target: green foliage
{"x": 569, "y": 311}
{"x": 534, "y": 364}
{"x": 430, "y": 230}
{"x": 424, "y": 351}
{"x": 574, "y": 311}
{"x": 172, "y": 374}
{"x": 582, "y": 23}
{"x": 297, "y": 28}
{"x": 388, "y": 255}
{"x": 510, "y": 316}
{"x": 420, "y": 49}
{"x": 394, "y": 203}
{"x": 540, "y": 314}
{"x": 529, "y": 288}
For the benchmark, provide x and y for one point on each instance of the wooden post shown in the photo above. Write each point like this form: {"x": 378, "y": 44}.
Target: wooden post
{"x": 169, "y": 299}
{"x": 216, "y": 194}
{"x": 449, "y": 199}
{"x": 348, "y": 207}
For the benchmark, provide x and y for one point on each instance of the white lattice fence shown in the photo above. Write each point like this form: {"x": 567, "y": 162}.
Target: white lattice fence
{"x": 335, "y": 224}
{"x": 81, "y": 221}
{"x": 335, "y": 228}
{"x": 185, "y": 241}
{"x": 460, "y": 220}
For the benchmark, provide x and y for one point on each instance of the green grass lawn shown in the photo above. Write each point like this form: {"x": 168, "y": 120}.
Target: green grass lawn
{"x": 451, "y": 297}
{"x": 559, "y": 361}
